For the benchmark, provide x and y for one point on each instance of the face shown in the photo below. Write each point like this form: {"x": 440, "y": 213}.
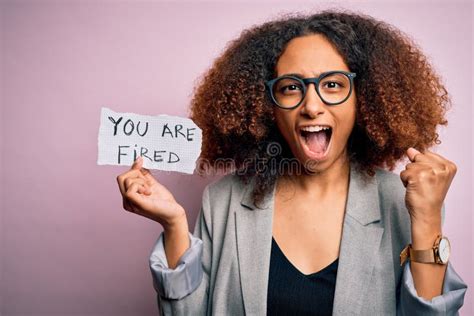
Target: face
{"x": 308, "y": 56}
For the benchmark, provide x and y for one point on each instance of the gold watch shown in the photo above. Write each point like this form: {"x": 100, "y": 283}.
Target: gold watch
{"x": 439, "y": 253}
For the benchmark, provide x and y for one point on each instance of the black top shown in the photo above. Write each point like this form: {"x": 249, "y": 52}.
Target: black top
{"x": 290, "y": 292}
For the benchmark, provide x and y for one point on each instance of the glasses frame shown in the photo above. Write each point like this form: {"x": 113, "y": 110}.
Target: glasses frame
{"x": 304, "y": 83}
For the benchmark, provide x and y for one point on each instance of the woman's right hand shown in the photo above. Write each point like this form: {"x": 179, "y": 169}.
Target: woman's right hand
{"x": 145, "y": 196}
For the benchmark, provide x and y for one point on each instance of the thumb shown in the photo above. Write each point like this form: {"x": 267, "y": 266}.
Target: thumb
{"x": 411, "y": 153}
{"x": 137, "y": 164}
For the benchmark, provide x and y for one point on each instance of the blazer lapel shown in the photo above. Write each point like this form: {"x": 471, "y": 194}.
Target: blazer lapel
{"x": 359, "y": 244}
{"x": 361, "y": 237}
{"x": 254, "y": 239}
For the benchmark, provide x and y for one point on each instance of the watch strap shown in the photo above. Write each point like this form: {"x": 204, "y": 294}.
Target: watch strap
{"x": 404, "y": 255}
{"x": 423, "y": 256}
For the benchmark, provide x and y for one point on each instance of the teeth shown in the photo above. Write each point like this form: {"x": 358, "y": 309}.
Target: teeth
{"x": 315, "y": 128}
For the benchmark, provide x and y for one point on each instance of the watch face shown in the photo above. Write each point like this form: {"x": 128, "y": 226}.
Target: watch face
{"x": 444, "y": 250}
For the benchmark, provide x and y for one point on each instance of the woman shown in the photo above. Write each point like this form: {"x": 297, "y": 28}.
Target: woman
{"x": 310, "y": 110}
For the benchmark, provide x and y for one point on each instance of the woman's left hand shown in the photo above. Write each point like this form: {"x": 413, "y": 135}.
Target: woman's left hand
{"x": 427, "y": 179}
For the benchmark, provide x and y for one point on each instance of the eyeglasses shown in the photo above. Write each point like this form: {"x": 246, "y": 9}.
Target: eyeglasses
{"x": 333, "y": 87}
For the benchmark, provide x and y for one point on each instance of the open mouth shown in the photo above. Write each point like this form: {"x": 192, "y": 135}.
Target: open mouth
{"x": 316, "y": 141}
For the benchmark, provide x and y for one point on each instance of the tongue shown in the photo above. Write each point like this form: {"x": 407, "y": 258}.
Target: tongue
{"x": 317, "y": 142}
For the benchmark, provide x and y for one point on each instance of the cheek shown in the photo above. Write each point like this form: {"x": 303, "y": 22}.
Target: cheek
{"x": 346, "y": 124}
{"x": 350, "y": 123}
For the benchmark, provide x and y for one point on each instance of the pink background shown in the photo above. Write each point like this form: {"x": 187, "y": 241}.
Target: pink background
{"x": 67, "y": 246}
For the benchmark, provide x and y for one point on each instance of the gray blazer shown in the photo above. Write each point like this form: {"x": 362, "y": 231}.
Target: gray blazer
{"x": 225, "y": 271}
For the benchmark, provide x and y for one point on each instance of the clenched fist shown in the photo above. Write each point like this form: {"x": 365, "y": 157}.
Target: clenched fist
{"x": 427, "y": 179}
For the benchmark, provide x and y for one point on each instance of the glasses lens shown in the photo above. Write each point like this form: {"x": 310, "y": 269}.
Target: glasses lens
{"x": 334, "y": 88}
{"x": 288, "y": 92}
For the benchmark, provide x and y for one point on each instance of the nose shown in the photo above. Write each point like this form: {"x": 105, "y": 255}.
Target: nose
{"x": 312, "y": 103}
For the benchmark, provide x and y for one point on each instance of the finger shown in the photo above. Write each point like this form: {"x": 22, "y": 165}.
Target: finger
{"x": 148, "y": 176}
{"x": 133, "y": 173}
{"x": 130, "y": 207}
{"x": 132, "y": 194}
{"x": 431, "y": 166}
{"x": 425, "y": 156}
{"x": 129, "y": 181}
{"x": 435, "y": 157}
{"x": 144, "y": 190}
{"x": 137, "y": 164}
{"x": 413, "y": 154}
{"x": 126, "y": 205}
{"x": 422, "y": 165}
{"x": 405, "y": 177}
{"x": 144, "y": 187}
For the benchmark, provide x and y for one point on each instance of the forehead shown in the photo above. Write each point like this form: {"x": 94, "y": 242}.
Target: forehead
{"x": 310, "y": 55}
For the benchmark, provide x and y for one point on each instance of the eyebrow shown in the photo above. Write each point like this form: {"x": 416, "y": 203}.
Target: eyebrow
{"x": 301, "y": 76}
{"x": 294, "y": 74}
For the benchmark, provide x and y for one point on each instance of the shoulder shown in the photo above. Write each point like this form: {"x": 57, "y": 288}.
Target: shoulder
{"x": 222, "y": 194}
{"x": 390, "y": 188}
{"x": 394, "y": 213}
{"x": 219, "y": 199}
{"x": 223, "y": 188}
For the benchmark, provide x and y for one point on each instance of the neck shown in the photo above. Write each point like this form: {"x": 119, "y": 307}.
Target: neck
{"x": 334, "y": 179}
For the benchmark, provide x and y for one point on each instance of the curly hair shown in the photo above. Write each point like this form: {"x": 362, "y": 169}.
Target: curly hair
{"x": 400, "y": 98}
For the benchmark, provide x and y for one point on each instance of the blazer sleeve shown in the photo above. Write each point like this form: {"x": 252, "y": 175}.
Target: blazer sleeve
{"x": 184, "y": 289}
{"x": 185, "y": 278}
{"x": 448, "y": 303}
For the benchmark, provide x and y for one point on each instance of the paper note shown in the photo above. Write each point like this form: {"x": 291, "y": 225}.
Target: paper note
{"x": 165, "y": 142}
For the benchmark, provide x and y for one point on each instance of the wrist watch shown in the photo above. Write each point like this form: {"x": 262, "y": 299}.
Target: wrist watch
{"x": 439, "y": 253}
